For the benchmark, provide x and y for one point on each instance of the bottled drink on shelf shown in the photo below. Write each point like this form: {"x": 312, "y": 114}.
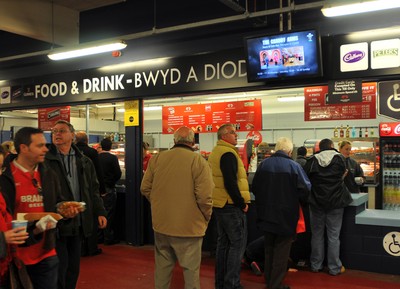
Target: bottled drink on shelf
{"x": 335, "y": 132}
{"x": 347, "y": 131}
{"x": 360, "y": 132}
{"x": 353, "y": 132}
{"x": 366, "y": 132}
{"x": 341, "y": 132}
{"x": 372, "y": 132}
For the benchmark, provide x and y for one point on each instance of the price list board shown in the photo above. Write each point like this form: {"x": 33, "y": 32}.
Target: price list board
{"x": 47, "y": 117}
{"x": 316, "y": 107}
{"x": 202, "y": 118}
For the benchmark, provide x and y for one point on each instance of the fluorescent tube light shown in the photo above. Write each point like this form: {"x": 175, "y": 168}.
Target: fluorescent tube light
{"x": 87, "y": 51}
{"x": 290, "y": 98}
{"x": 361, "y": 7}
{"x": 152, "y": 108}
{"x": 109, "y": 105}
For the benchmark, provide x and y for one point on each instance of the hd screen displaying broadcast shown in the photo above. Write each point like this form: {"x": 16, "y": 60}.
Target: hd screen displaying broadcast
{"x": 283, "y": 56}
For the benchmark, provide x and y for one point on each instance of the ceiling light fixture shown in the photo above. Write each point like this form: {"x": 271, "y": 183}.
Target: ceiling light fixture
{"x": 109, "y": 105}
{"x": 361, "y": 7}
{"x": 86, "y": 50}
{"x": 152, "y": 108}
{"x": 290, "y": 98}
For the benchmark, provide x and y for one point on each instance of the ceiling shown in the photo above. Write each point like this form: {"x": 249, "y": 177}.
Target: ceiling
{"x": 29, "y": 28}
{"x": 32, "y": 26}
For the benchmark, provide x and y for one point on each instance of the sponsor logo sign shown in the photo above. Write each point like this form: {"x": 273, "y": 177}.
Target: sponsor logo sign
{"x": 354, "y": 57}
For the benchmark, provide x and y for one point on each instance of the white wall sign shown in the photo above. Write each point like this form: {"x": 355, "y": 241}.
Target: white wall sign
{"x": 354, "y": 57}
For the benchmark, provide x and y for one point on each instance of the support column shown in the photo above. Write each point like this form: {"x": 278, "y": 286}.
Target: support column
{"x": 133, "y": 178}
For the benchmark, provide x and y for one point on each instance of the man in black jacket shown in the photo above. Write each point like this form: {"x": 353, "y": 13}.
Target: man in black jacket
{"x": 78, "y": 183}
{"x": 112, "y": 173}
{"x": 90, "y": 244}
{"x": 329, "y": 195}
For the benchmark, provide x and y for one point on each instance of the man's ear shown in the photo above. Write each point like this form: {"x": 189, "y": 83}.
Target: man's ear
{"x": 23, "y": 147}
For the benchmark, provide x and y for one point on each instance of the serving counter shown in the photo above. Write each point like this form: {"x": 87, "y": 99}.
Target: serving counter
{"x": 370, "y": 239}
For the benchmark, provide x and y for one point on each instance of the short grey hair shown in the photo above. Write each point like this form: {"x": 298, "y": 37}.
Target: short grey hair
{"x": 70, "y": 126}
{"x": 223, "y": 130}
{"x": 188, "y": 139}
{"x": 284, "y": 144}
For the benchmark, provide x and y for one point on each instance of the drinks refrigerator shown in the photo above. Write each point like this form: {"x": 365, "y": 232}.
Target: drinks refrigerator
{"x": 389, "y": 133}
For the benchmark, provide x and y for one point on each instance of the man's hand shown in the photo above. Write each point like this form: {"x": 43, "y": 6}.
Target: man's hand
{"x": 16, "y": 236}
{"x": 102, "y": 222}
{"x": 44, "y": 224}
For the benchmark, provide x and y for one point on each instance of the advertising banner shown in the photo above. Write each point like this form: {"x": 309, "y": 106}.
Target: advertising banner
{"x": 316, "y": 106}
{"x": 389, "y": 129}
{"x": 202, "y": 118}
{"x": 47, "y": 117}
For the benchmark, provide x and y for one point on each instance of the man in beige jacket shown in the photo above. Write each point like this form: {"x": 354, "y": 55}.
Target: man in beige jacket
{"x": 178, "y": 183}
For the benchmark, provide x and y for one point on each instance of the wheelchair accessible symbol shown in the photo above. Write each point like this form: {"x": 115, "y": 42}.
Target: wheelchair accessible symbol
{"x": 391, "y": 243}
{"x": 396, "y": 98}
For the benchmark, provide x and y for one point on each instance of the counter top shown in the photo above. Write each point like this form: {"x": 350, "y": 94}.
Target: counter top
{"x": 379, "y": 218}
{"x": 359, "y": 199}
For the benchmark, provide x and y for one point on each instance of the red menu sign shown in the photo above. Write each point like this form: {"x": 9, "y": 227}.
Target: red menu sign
{"x": 47, "y": 117}
{"x": 245, "y": 115}
{"x": 316, "y": 107}
{"x": 389, "y": 129}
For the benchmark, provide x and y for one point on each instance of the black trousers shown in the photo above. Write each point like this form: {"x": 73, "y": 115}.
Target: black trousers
{"x": 69, "y": 255}
{"x": 277, "y": 251}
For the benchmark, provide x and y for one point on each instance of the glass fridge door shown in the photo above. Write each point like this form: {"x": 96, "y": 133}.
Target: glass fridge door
{"x": 390, "y": 164}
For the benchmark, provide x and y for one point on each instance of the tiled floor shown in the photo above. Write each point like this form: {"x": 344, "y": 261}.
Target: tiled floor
{"x": 127, "y": 267}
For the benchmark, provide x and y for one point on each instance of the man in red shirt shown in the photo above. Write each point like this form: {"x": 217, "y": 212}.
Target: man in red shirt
{"x": 29, "y": 186}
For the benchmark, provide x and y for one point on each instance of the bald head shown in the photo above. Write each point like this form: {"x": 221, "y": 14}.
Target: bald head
{"x": 184, "y": 135}
{"x": 81, "y": 137}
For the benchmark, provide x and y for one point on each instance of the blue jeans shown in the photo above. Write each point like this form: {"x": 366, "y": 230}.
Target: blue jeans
{"x": 44, "y": 274}
{"x": 231, "y": 244}
{"x": 332, "y": 221}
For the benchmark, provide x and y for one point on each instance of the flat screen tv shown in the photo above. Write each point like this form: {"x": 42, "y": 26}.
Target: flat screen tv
{"x": 283, "y": 56}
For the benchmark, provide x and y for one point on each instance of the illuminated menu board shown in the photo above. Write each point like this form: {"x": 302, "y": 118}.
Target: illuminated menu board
{"x": 245, "y": 115}
{"x": 317, "y": 108}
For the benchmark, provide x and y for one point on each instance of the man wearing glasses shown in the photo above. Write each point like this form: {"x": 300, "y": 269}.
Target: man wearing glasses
{"x": 230, "y": 197}
{"x": 30, "y": 186}
{"x": 78, "y": 183}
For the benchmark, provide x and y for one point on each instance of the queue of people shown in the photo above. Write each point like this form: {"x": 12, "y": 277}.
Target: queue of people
{"x": 183, "y": 190}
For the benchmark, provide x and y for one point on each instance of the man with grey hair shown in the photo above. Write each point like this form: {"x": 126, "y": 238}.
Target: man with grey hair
{"x": 178, "y": 184}
{"x": 79, "y": 183}
{"x": 279, "y": 185}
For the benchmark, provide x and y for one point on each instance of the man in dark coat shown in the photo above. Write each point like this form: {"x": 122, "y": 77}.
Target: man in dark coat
{"x": 279, "y": 185}
{"x": 112, "y": 173}
{"x": 90, "y": 246}
{"x": 329, "y": 195}
{"x": 78, "y": 183}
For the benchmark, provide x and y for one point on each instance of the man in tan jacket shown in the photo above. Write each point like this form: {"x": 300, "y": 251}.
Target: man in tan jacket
{"x": 178, "y": 183}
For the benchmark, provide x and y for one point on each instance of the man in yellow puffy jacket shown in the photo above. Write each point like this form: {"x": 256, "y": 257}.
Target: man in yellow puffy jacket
{"x": 230, "y": 203}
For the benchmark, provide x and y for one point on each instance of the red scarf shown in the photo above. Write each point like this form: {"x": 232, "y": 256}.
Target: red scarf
{"x": 5, "y": 218}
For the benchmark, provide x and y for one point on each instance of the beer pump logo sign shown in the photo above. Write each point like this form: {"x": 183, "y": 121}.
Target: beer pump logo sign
{"x": 385, "y": 53}
{"x": 389, "y": 99}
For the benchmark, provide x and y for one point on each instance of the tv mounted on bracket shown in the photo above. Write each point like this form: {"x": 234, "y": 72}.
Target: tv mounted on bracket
{"x": 283, "y": 56}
